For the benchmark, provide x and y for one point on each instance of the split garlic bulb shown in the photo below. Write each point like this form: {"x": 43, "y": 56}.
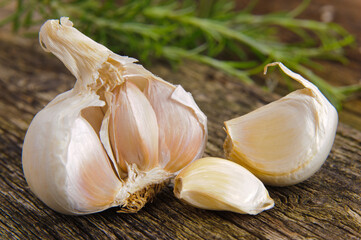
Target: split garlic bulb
{"x": 286, "y": 141}
{"x": 112, "y": 140}
{"x": 218, "y": 184}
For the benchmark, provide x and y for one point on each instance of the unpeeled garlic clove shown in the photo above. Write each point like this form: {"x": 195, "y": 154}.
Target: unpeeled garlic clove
{"x": 58, "y": 164}
{"x": 219, "y": 184}
{"x": 135, "y": 140}
{"x": 176, "y": 145}
{"x": 286, "y": 141}
{"x": 99, "y": 144}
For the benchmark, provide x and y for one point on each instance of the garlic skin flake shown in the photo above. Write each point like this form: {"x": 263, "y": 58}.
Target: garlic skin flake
{"x": 219, "y": 184}
{"x": 116, "y": 138}
{"x": 287, "y": 141}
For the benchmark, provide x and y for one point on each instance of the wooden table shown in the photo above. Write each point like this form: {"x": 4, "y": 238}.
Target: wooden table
{"x": 327, "y": 206}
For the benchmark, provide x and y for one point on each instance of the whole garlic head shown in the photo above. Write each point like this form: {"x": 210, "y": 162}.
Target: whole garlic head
{"x": 286, "y": 141}
{"x": 219, "y": 184}
{"x": 112, "y": 140}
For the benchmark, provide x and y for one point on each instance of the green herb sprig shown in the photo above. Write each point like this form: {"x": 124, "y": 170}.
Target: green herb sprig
{"x": 208, "y": 31}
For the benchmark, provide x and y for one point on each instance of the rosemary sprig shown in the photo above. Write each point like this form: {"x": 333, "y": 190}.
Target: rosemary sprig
{"x": 210, "y": 32}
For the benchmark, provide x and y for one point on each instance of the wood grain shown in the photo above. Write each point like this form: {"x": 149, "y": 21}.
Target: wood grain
{"x": 323, "y": 207}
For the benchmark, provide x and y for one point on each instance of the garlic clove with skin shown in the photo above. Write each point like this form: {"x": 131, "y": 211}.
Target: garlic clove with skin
{"x": 170, "y": 104}
{"x": 175, "y": 145}
{"x": 92, "y": 184}
{"x": 286, "y": 141}
{"x": 219, "y": 184}
{"x": 135, "y": 141}
{"x": 98, "y": 145}
{"x": 57, "y": 163}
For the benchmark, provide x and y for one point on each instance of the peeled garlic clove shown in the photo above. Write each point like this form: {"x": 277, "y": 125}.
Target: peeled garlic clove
{"x": 98, "y": 145}
{"x": 218, "y": 184}
{"x": 286, "y": 141}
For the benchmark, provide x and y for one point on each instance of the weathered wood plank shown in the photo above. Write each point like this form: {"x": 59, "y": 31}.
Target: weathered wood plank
{"x": 327, "y": 205}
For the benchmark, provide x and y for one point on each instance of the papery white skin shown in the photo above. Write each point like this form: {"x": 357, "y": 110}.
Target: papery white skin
{"x": 139, "y": 125}
{"x": 94, "y": 146}
{"x": 219, "y": 184}
{"x": 48, "y": 153}
{"x": 286, "y": 141}
{"x": 173, "y": 145}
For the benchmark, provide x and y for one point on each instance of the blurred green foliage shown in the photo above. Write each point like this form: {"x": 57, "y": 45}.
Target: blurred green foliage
{"x": 208, "y": 31}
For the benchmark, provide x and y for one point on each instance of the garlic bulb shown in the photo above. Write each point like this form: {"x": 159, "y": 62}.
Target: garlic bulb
{"x": 218, "y": 184}
{"x": 112, "y": 140}
{"x": 286, "y": 141}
